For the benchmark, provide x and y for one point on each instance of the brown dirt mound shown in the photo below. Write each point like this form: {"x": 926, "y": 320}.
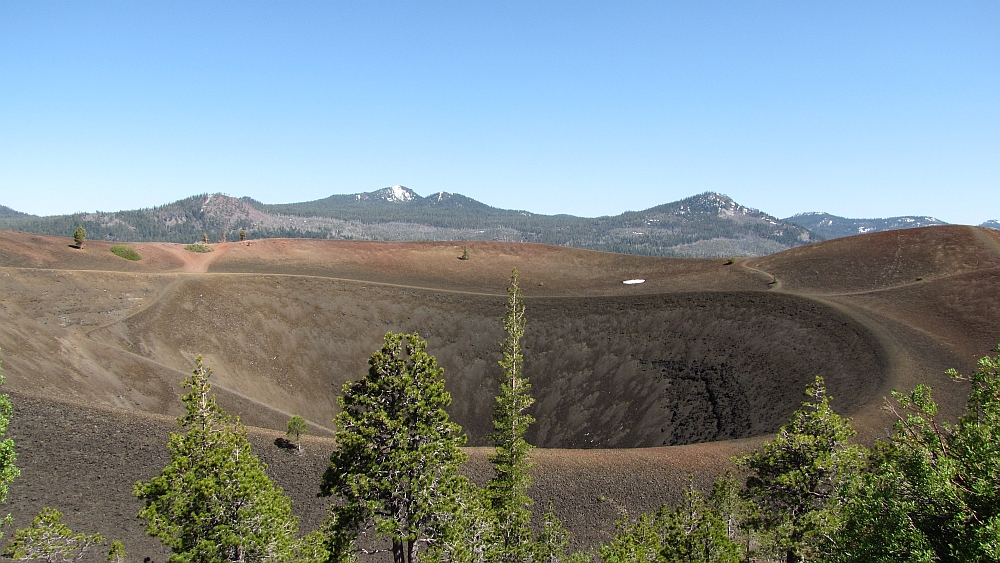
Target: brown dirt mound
{"x": 882, "y": 260}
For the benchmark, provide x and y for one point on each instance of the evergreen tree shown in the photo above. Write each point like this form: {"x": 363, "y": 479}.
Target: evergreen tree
{"x": 396, "y": 465}
{"x": 79, "y": 236}
{"x": 49, "y": 540}
{"x": 8, "y": 457}
{"x": 116, "y": 553}
{"x": 696, "y": 530}
{"x": 932, "y": 492}
{"x": 468, "y": 536}
{"x": 797, "y": 477}
{"x": 552, "y": 543}
{"x": 296, "y": 427}
{"x": 213, "y": 503}
{"x": 507, "y": 491}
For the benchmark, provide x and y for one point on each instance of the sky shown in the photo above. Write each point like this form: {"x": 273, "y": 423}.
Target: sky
{"x": 860, "y": 109}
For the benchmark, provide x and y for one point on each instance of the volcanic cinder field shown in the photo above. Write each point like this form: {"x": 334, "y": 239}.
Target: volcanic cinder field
{"x": 637, "y": 386}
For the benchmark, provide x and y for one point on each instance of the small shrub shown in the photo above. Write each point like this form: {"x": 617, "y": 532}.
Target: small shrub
{"x": 126, "y": 252}
{"x": 465, "y": 254}
{"x": 199, "y": 247}
{"x": 729, "y": 262}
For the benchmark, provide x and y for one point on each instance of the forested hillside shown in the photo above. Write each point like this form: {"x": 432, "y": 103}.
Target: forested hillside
{"x": 706, "y": 225}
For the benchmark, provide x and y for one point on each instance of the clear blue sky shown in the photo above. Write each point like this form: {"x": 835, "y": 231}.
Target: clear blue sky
{"x": 861, "y": 109}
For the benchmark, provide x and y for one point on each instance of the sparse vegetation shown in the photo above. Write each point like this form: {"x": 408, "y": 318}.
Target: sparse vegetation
{"x": 465, "y": 254}
{"x": 125, "y": 251}
{"x": 199, "y": 247}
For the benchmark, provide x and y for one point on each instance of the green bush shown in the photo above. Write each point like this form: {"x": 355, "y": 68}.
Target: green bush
{"x": 126, "y": 252}
{"x": 199, "y": 247}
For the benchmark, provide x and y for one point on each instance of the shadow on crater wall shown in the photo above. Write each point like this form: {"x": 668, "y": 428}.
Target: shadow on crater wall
{"x": 687, "y": 368}
{"x": 609, "y": 372}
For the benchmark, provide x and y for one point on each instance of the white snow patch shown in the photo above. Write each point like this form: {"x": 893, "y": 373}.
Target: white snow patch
{"x": 399, "y": 193}
{"x": 633, "y": 282}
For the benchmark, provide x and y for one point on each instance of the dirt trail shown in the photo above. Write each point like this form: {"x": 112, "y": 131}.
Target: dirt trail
{"x": 194, "y": 262}
{"x": 989, "y": 240}
{"x": 774, "y": 284}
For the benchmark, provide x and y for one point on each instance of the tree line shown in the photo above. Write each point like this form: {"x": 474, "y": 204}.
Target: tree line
{"x": 656, "y": 231}
{"x": 928, "y": 492}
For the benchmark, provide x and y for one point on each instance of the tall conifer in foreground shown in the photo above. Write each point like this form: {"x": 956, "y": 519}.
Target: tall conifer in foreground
{"x": 214, "y": 503}
{"x": 507, "y": 491}
{"x": 396, "y": 464}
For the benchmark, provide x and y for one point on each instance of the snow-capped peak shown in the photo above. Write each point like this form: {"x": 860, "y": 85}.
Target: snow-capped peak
{"x": 399, "y": 193}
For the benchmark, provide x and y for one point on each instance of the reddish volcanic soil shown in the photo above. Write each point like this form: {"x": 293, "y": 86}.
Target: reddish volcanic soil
{"x": 637, "y": 386}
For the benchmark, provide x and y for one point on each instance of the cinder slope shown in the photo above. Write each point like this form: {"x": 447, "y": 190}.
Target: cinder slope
{"x": 702, "y": 351}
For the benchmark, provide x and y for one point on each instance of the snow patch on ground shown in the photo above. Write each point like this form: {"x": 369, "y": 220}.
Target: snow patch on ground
{"x": 632, "y": 282}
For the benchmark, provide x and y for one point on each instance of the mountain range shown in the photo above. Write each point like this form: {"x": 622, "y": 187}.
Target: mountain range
{"x": 705, "y": 225}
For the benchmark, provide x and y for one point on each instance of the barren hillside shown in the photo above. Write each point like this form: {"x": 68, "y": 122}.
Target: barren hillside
{"x": 637, "y": 385}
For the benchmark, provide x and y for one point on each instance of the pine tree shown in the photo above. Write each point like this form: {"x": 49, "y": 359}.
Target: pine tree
{"x": 51, "y": 541}
{"x": 296, "y": 427}
{"x": 931, "y": 492}
{"x": 797, "y": 477}
{"x": 468, "y": 534}
{"x": 79, "y": 236}
{"x": 8, "y": 456}
{"x": 696, "y": 530}
{"x": 396, "y": 466}
{"x": 507, "y": 491}
{"x": 213, "y": 503}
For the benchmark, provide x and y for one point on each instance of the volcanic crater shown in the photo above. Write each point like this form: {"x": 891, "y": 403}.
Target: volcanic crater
{"x": 636, "y": 386}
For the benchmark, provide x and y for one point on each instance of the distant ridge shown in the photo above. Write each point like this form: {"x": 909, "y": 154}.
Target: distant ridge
{"x": 992, "y": 224}
{"x": 6, "y": 212}
{"x": 705, "y": 225}
{"x": 832, "y": 226}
